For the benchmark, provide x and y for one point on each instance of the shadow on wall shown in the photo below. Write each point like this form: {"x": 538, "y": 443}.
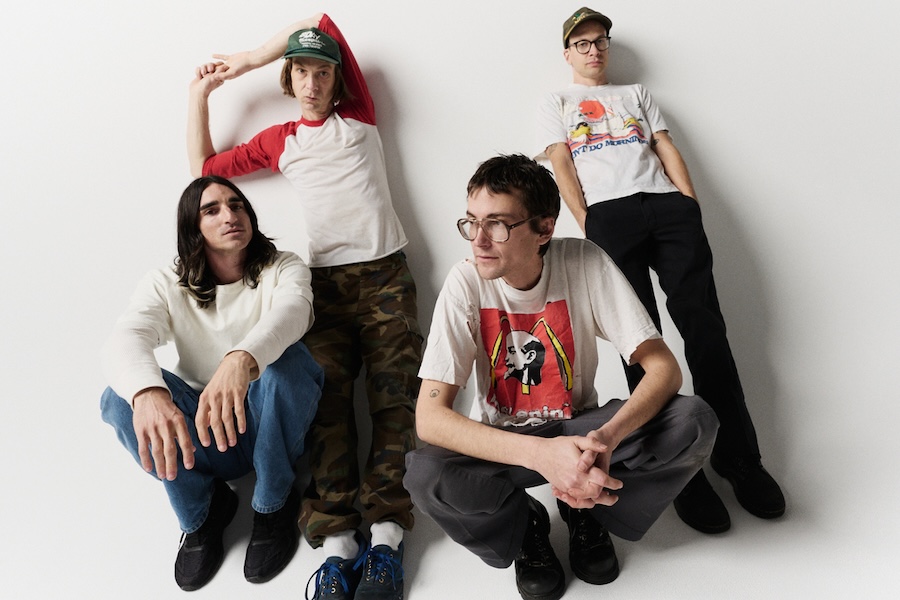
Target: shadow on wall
{"x": 742, "y": 289}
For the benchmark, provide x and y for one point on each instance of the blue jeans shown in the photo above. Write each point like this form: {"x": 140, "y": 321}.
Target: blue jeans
{"x": 280, "y": 406}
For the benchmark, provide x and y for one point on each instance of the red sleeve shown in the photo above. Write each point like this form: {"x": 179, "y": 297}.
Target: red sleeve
{"x": 263, "y": 151}
{"x": 361, "y": 106}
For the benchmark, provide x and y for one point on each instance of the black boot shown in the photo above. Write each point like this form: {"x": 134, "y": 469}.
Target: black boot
{"x": 591, "y": 552}
{"x": 699, "y": 506}
{"x": 539, "y": 574}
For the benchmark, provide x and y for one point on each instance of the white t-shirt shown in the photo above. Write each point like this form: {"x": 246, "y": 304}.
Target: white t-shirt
{"x": 262, "y": 321}
{"x": 534, "y": 351}
{"x": 608, "y": 130}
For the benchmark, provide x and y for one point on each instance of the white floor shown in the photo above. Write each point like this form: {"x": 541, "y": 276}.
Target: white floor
{"x": 121, "y": 543}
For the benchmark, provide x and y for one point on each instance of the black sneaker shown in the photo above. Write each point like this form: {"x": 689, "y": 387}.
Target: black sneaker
{"x": 591, "y": 552}
{"x": 382, "y": 574}
{"x": 201, "y": 552}
{"x": 699, "y": 506}
{"x": 755, "y": 489}
{"x": 338, "y": 578}
{"x": 539, "y": 574}
{"x": 273, "y": 541}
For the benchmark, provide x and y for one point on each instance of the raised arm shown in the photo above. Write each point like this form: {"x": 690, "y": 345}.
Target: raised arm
{"x": 199, "y": 141}
{"x": 556, "y": 459}
{"x": 235, "y": 65}
{"x": 567, "y": 181}
{"x": 673, "y": 163}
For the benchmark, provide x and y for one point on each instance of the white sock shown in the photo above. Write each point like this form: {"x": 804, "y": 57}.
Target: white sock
{"x": 342, "y": 545}
{"x": 387, "y": 533}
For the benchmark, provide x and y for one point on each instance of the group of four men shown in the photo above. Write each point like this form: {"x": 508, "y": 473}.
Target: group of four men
{"x": 269, "y": 348}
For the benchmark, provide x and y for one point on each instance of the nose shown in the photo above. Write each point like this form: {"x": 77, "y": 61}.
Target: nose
{"x": 481, "y": 239}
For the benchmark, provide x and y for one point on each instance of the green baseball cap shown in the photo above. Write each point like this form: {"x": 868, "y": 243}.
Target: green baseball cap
{"x": 313, "y": 43}
{"x": 583, "y": 15}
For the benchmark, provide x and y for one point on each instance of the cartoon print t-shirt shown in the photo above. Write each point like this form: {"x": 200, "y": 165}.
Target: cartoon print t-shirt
{"x": 608, "y": 130}
{"x": 534, "y": 351}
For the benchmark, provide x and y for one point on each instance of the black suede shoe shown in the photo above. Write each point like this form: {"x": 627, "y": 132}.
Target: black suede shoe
{"x": 699, "y": 506}
{"x": 201, "y": 552}
{"x": 755, "y": 489}
{"x": 273, "y": 541}
{"x": 539, "y": 574}
{"x": 591, "y": 552}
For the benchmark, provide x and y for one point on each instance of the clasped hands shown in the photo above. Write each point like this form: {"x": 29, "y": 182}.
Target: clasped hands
{"x": 577, "y": 468}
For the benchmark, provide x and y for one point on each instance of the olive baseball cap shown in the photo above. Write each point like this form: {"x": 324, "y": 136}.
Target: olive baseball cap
{"x": 313, "y": 43}
{"x": 582, "y": 15}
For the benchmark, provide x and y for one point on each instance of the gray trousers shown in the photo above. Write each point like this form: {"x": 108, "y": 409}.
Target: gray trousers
{"x": 483, "y": 505}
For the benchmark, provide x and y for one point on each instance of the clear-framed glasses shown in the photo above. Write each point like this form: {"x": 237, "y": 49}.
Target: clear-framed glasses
{"x": 584, "y": 46}
{"x": 496, "y": 230}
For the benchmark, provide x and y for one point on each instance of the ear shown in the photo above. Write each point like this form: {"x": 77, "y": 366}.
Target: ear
{"x": 547, "y": 226}
{"x": 566, "y": 55}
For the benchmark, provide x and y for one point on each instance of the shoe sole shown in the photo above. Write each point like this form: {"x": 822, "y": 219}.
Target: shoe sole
{"x": 606, "y": 578}
{"x": 555, "y": 594}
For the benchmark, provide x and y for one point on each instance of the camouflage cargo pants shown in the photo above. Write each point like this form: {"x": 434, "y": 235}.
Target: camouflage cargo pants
{"x": 365, "y": 316}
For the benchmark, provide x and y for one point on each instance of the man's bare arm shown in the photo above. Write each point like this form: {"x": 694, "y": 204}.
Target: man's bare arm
{"x": 660, "y": 383}
{"x": 239, "y": 63}
{"x": 673, "y": 163}
{"x": 567, "y": 180}
{"x": 556, "y": 459}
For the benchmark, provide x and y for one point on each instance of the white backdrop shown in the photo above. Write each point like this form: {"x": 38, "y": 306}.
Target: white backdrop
{"x": 785, "y": 112}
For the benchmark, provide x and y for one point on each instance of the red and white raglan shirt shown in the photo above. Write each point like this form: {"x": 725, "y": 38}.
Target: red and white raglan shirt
{"x": 337, "y": 167}
{"x": 534, "y": 351}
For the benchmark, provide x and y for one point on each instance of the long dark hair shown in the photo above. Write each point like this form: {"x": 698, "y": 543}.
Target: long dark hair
{"x": 190, "y": 265}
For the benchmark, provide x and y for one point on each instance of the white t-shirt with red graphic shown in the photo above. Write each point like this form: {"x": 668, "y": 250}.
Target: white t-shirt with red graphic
{"x": 608, "y": 130}
{"x": 534, "y": 351}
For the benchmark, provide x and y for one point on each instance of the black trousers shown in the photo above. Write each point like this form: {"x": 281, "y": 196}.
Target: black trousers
{"x": 483, "y": 505}
{"x": 664, "y": 232}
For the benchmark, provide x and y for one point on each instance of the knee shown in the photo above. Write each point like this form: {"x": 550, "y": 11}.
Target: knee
{"x": 700, "y": 420}
{"x": 115, "y": 410}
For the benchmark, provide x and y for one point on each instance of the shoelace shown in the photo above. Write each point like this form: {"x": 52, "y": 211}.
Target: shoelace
{"x": 382, "y": 566}
{"x": 327, "y": 576}
{"x": 541, "y": 551}
{"x": 585, "y": 531}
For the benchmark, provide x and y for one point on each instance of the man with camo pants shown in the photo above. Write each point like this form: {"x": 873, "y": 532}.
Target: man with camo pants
{"x": 365, "y": 298}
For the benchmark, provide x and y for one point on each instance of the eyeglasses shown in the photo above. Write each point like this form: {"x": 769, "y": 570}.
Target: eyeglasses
{"x": 584, "y": 46}
{"x": 497, "y": 231}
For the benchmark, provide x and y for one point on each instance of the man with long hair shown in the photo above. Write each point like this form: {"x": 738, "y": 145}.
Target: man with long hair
{"x": 613, "y": 468}
{"x": 365, "y": 297}
{"x": 243, "y": 392}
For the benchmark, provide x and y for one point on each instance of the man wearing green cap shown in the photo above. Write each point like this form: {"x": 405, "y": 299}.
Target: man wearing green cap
{"x": 630, "y": 192}
{"x": 364, "y": 295}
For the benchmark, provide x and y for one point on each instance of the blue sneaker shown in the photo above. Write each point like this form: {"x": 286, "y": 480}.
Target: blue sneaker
{"x": 382, "y": 574}
{"x": 338, "y": 578}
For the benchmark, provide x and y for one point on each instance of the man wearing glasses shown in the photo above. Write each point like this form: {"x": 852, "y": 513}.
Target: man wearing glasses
{"x": 630, "y": 192}
{"x": 523, "y": 296}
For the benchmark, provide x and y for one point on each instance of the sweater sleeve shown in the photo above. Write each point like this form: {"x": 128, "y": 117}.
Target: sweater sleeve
{"x": 128, "y": 361}
{"x": 289, "y": 316}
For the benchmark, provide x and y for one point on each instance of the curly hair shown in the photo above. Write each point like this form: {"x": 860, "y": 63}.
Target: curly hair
{"x": 191, "y": 266}
{"x": 519, "y": 176}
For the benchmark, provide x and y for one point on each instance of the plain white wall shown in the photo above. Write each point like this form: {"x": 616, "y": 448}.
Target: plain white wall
{"x": 785, "y": 111}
